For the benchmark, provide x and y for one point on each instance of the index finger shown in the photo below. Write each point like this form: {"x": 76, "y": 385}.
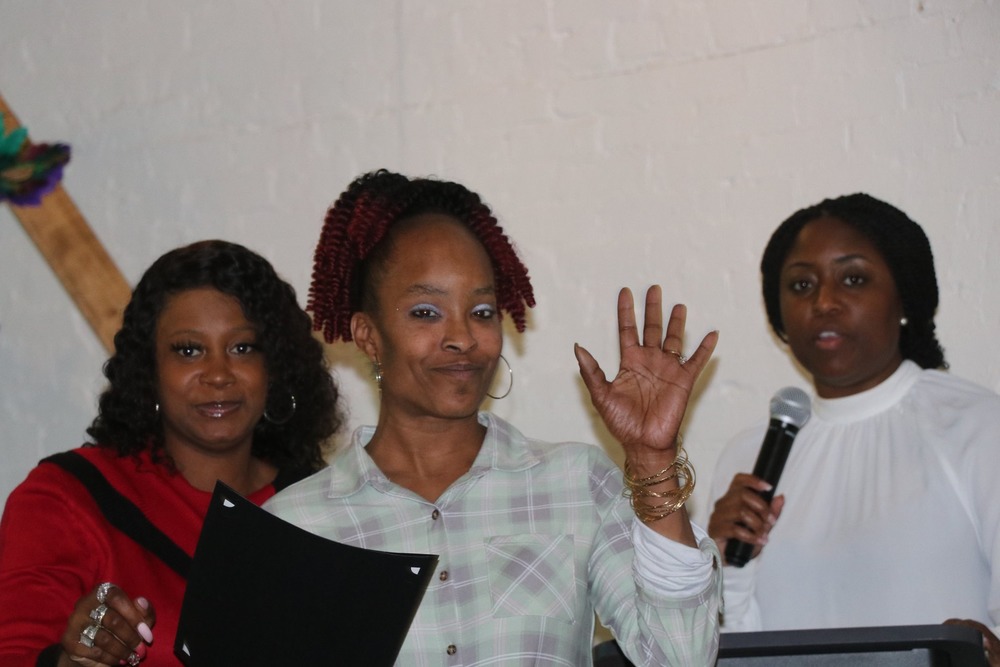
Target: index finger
{"x": 128, "y": 619}
{"x": 697, "y": 361}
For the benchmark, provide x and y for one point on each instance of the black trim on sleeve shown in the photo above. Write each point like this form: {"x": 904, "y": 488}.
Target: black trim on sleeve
{"x": 122, "y": 513}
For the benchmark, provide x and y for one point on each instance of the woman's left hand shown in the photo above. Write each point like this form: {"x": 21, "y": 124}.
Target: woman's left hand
{"x": 644, "y": 404}
{"x": 991, "y": 643}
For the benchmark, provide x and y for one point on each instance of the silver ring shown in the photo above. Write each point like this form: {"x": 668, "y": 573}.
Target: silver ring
{"x": 133, "y": 659}
{"x": 88, "y": 634}
{"x": 102, "y": 591}
{"x": 97, "y": 613}
{"x": 681, "y": 359}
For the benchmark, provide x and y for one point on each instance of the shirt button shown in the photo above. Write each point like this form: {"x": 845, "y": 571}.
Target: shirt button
{"x": 452, "y": 649}
{"x": 443, "y": 576}
{"x": 435, "y": 514}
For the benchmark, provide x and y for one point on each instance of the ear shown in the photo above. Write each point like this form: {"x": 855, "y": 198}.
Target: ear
{"x": 365, "y": 334}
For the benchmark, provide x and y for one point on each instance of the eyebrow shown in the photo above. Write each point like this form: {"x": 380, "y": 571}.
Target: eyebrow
{"x": 844, "y": 259}
{"x": 423, "y": 288}
{"x": 199, "y": 332}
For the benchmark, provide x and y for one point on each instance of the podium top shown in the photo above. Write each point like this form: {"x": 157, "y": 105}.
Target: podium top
{"x": 903, "y": 645}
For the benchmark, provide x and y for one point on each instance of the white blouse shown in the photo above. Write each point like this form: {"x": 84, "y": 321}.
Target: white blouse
{"x": 892, "y": 511}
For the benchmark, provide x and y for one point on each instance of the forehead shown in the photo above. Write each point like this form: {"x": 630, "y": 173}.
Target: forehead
{"x": 199, "y": 304}
{"x": 828, "y": 237}
{"x": 435, "y": 241}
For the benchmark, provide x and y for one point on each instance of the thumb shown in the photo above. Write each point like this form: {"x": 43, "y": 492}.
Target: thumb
{"x": 593, "y": 377}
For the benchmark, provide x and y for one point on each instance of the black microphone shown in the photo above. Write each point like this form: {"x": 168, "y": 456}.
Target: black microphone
{"x": 790, "y": 410}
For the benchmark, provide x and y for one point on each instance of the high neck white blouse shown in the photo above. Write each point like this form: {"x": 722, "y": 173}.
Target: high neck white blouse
{"x": 892, "y": 512}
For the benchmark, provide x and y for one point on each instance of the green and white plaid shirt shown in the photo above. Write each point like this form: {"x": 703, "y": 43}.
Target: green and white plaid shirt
{"x": 532, "y": 540}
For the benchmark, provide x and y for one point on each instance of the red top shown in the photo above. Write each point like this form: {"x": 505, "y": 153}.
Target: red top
{"x": 56, "y": 546}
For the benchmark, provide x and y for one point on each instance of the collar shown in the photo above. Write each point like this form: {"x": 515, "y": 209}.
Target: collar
{"x": 871, "y": 401}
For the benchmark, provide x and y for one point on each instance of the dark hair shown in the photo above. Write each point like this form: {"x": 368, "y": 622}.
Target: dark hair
{"x": 906, "y": 251}
{"x": 127, "y": 419}
{"x": 356, "y": 241}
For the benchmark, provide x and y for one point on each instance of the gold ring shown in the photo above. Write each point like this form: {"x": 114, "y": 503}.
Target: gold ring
{"x": 680, "y": 357}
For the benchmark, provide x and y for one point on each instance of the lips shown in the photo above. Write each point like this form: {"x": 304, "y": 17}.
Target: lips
{"x": 828, "y": 339}
{"x": 217, "y": 409}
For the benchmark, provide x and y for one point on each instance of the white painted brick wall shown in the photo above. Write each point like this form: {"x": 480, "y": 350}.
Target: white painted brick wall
{"x": 621, "y": 143}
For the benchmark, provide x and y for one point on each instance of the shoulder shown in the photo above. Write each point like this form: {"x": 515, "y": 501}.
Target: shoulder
{"x": 945, "y": 398}
{"x": 737, "y": 456}
{"x": 744, "y": 445}
{"x": 958, "y": 391}
{"x": 515, "y": 447}
{"x": 309, "y": 491}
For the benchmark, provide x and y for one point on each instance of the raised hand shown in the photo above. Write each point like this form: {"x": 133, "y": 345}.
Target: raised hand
{"x": 644, "y": 404}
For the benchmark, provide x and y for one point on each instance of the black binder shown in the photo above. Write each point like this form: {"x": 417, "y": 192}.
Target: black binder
{"x": 264, "y": 592}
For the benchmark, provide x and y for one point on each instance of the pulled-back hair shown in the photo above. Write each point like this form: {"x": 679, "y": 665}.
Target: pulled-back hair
{"x": 356, "y": 241}
{"x": 901, "y": 242}
{"x": 128, "y": 419}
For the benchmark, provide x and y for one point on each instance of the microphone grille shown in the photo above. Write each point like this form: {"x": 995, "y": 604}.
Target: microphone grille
{"x": 792, "y": 406}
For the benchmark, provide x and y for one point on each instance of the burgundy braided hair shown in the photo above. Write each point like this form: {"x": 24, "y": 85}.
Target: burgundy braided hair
{"x": 356, "y": 239}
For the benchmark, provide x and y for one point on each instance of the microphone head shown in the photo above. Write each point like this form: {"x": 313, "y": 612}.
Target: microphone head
{"x": 792, "y": 406}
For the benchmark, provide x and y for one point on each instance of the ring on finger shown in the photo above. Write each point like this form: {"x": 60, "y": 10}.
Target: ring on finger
{"x": 97, "y": 613}
{"x": 680, "y": 357}
{"x": 88, "y": 634}
{"x": 102, "y": 591}
{"x": 133, "y": 659}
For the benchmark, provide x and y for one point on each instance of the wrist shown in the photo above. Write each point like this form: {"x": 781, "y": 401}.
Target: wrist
{"x": 643, "y": 460}
{"x": 659, "y": 494}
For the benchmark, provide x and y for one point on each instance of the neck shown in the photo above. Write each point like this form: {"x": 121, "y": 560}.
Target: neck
{"x": 239, "y": 470}
{"x": 425, "y": 455}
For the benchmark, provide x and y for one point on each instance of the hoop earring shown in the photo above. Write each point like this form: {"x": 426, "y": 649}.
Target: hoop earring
{"x": 291, "y": 414}
{"x": 378, "y": 374}
{"x": 510, "y": 374}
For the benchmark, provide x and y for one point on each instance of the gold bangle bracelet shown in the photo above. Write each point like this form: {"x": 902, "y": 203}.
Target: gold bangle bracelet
{"x": 637, "y": 490}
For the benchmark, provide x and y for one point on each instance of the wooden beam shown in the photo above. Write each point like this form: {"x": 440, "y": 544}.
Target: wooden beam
{"x": 76, "y": 255}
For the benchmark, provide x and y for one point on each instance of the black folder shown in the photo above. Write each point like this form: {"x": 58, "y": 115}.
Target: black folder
{"x": 264, "y": 592}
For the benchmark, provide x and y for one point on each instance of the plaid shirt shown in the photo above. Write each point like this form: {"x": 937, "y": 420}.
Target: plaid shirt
{"x": 532, "y": 540}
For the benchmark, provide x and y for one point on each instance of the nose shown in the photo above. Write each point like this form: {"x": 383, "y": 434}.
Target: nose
{"x": 217, "y": 371}
{"x": 458, "y": 336}
{"x": 826, "y": 298}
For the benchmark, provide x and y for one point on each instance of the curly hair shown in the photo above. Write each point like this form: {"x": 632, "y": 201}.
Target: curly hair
{"x": 356, "y": 242}
{"x": 905, "y": 248}
{"x": 128, "y": 419}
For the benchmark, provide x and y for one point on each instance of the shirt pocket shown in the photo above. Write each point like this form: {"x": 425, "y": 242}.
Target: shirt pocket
{"x": 532, "y": 575}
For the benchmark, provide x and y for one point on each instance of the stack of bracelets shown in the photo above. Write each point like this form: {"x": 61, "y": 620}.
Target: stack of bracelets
{"x": 638, "y": 489}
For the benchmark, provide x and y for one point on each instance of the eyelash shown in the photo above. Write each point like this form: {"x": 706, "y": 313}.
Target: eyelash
{"x": 185, "y": 349}
{"x": 851, "y": 280}
{"x": 484, "y": 312}
{"x": 422, "y": 311}
{"x": 188, "y": 350}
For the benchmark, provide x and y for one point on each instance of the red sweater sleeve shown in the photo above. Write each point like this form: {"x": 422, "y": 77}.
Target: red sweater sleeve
{"x": 52, "y": 552}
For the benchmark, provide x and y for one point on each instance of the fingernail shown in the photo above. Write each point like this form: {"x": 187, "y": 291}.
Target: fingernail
{"x": 141, "y": 651}
{"x": 768, "y": 487}
{"x": 771, "y": 519}
{"x": 146, "y": 633}
{"x": 143, "y": 603}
